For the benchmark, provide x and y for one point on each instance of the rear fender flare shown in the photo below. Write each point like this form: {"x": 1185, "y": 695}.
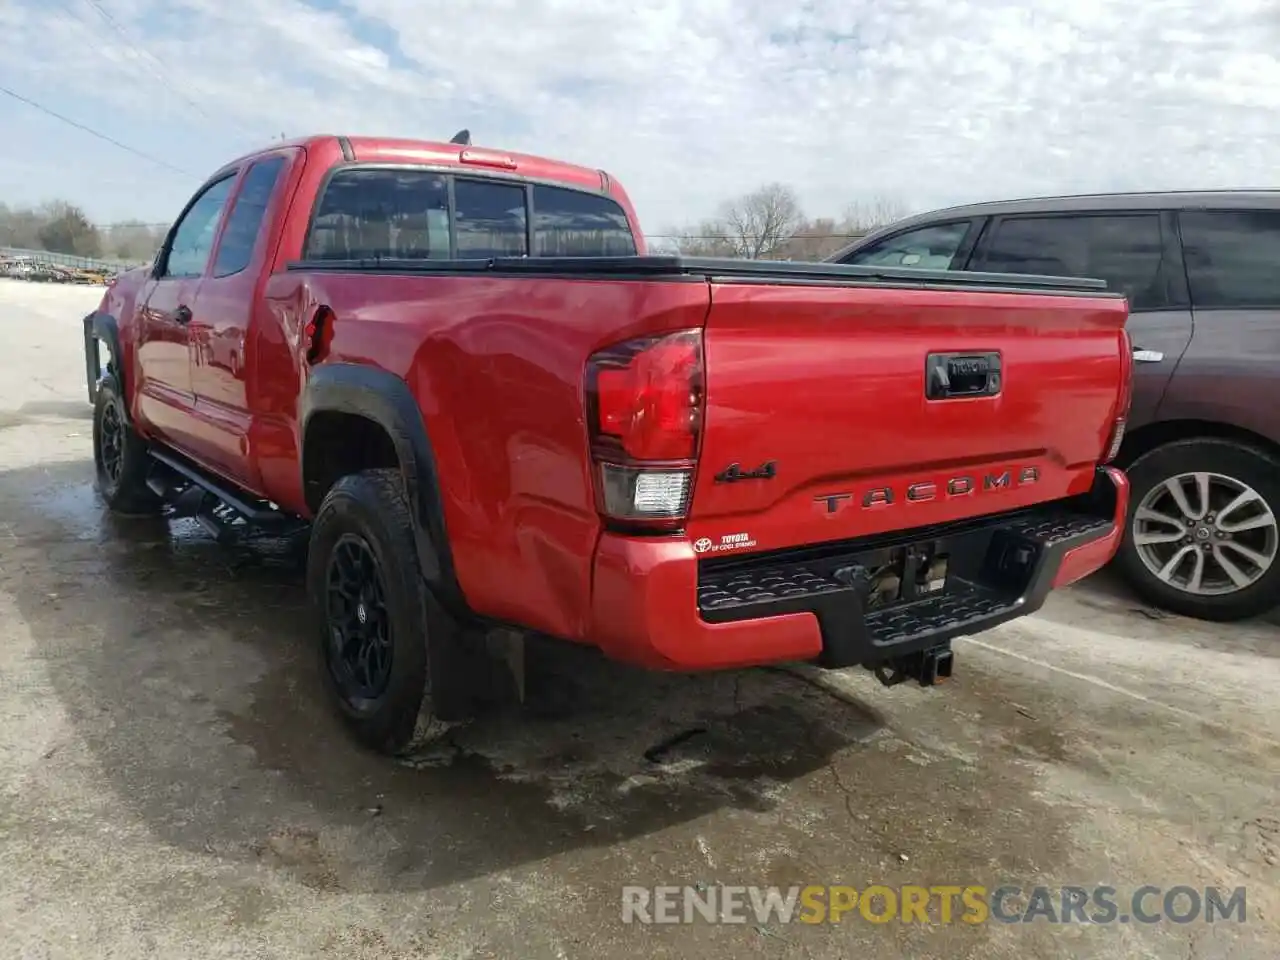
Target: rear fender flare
{"x": 385, "y": 399}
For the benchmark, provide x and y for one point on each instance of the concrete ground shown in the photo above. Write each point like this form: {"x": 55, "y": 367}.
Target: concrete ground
{"x": 172, "y": 784}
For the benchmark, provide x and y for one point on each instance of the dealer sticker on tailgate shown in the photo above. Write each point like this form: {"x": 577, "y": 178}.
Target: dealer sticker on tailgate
{"x": 730, "y": 541}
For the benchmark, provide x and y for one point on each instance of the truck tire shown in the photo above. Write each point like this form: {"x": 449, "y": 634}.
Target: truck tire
{"x": 119, "y": 455}
{"x": 383, "y": 638}
{"x": 1216, "y": 560}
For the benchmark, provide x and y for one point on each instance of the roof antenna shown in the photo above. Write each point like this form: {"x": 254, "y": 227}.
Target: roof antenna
{"x": 462, "y": 137}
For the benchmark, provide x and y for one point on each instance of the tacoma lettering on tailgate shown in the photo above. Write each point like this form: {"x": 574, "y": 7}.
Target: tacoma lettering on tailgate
{"x": 962, "y": 485}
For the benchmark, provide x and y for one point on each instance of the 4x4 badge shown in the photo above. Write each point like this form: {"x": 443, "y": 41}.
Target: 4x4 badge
{"x": 734, "y": 472}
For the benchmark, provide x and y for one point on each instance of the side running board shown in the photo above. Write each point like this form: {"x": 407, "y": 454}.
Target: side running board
{"x": 223, "y": 511}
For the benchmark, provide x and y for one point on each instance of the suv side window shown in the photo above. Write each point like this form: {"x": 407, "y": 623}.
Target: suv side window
{"x": 371, "y": 213}
{"x": 571, "y": 223}
{"x": 245, "y": 220}
{"x": 490, "y": 219}
{"x": 193, "y": 238}
{"x": 1126, "y": 250}
{"x": 927, "y": 248}
{"x": 1233, "y": 257}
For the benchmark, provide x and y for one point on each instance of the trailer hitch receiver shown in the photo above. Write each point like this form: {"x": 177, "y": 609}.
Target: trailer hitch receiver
{"x": 927, "y": 667}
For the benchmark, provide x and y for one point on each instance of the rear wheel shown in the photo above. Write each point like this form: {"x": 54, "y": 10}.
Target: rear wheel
{"x": 120, "y": 455}
{"x": 383, "y": 638}
{"x": 1202, "y": 537}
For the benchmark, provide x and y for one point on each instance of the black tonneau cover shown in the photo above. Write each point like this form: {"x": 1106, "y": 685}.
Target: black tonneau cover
{"x": 715, "y": 269}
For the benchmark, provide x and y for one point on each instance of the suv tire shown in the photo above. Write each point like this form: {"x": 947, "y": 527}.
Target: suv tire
{"x": 384, "y": 640}
{"x": 120, "y": 456}
{"x": 1236, "y": 552}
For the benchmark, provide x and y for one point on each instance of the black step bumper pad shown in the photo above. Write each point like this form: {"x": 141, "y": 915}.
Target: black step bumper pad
{"x": 999, "y": 567}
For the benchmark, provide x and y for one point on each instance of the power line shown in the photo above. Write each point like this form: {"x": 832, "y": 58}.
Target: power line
{"x": 94, "y": 133}
{"x": 156, "y": 68}
{"x": 144, "y": 53}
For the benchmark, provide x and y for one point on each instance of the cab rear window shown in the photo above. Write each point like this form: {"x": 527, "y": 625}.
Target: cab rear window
{"x": 406, "y": 214}
{"x": 572, "y": 223}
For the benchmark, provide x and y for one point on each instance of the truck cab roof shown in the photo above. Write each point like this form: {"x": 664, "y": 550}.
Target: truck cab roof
{"x": 393, "y": 150}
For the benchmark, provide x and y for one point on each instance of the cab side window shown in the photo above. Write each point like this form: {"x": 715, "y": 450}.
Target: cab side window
{"x": 193, "y": 238}
{"x": 927, "y": 248}
{"x": 1126, "y": 250}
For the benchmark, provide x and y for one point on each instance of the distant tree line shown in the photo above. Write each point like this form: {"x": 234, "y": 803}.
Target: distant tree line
{"x": 768, "y": 223}
{"x": 61, "y": 227}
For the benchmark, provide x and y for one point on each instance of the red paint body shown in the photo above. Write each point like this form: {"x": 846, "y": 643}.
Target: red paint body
{"x": 827, "y": 381}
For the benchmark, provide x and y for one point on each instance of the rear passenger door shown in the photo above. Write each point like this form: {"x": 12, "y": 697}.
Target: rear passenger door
{"x": 222, "y": 326}
{"x": 1231, "y": 373}
{"x": 1135, "y": 252}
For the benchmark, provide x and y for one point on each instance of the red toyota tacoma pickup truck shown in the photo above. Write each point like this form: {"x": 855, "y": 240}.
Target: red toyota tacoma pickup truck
{"x": 460, "y": 370}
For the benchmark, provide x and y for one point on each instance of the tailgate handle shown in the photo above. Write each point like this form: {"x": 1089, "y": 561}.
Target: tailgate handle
{"x": 950, "y": 376}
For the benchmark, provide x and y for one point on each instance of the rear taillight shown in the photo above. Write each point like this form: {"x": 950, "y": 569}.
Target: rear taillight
{"x": 1117, "y": 438}
{"x": 1123, "y": 402}
{"x": 644, "y": 416}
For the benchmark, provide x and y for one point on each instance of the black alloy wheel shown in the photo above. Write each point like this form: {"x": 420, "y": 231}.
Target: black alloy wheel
{"x": 111, "y": 443}
{"x": 384, "y": 644}
{"x": 120, "y": 459}
{"x": 360, "y": 641}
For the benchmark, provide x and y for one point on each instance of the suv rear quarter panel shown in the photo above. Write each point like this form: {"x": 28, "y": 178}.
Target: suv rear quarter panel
{"x": 1230, "y": 374}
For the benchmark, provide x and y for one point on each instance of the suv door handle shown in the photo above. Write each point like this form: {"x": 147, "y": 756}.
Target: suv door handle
{"x": 1146, "y": 356}
{"x": 182, "y": 314}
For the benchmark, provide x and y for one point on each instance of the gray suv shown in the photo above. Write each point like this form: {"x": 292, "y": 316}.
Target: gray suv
{"x": 1202, "y": 274}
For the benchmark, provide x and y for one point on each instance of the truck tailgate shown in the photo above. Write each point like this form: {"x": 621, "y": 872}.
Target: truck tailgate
{"x": 836, "y": 411}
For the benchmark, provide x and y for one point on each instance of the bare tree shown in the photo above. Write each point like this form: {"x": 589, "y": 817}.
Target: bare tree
{"x": 62, "y": 227}
{"x": 863, "y": 216}
{"x": 66, "y": 229}
{"x": 812, "y": 240}
{"x": 133, "y": 240}
{"x": 710, "y": 238}
{"x": 756, "y": 224}
{"x": 20, "y": 227}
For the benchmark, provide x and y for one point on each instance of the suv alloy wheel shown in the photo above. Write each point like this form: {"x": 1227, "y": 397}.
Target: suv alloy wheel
{"x": 1203, "y": 537}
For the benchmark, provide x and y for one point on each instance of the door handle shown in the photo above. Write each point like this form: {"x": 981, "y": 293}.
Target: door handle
{"x": 182, "y": 314}
{"x": 1146, "y": 356}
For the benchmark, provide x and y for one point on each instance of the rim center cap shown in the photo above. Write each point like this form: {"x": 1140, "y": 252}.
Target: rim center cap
{"x": 1203, "y": 532}
{"x": 361, "y": 613}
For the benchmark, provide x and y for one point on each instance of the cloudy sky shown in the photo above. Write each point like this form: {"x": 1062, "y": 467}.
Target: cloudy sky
{"x": 688, "y": 102}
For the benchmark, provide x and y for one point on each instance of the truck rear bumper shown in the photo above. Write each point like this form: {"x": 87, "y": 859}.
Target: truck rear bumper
{"x": 656, "y": 604}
